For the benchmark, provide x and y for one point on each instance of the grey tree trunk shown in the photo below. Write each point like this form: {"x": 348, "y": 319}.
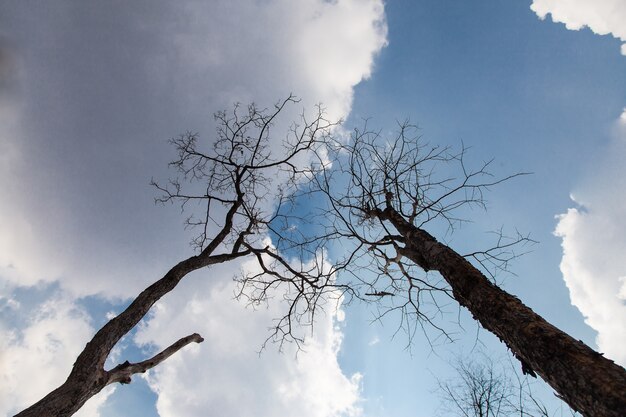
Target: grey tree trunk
{"x": 88, "y": 376}
{"x": 590, "y": 383}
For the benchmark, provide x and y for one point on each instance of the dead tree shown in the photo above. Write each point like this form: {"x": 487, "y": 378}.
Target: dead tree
{"x": 479, "y": 390}
{"x": 231, "y": 191}
{"x": 371, "y": 198}
{"x": 374, "y": 200}
{"x": 484, "y": 388}
{"x": 381, "y": 196}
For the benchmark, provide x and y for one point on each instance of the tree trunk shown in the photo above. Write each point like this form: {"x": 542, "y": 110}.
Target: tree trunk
{"x": 590, "y": 383}
{"x": 88, "y": 376}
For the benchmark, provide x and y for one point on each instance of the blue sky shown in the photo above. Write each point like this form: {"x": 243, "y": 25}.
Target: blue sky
{"x": 89, "y": 95}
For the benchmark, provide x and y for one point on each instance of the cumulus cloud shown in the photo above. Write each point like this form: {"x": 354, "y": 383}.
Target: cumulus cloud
{"x": 94, "y": 117}
{"x": 601, "y": 16}
{"x": 99, "y": 90}
{"x": 36, "y": 359}
{"x": 594, "y": 242}
{"x": 225, "y": 375}
{"x": 593, "y": 232}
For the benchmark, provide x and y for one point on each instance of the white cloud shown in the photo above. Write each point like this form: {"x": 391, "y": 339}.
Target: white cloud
{"x": 594, "y": 243}
{"x": 85, "y": 132}
{"x": 225, "y": 375}
{"x": 601, "y": 16}
{"x": 91, "y": 127}
{"x": 594, "y": 232}
{"x": 8, "y": 303}
{"x": 92, "y": 407}
{"x": 36, "y": 359}
{"x": 374, "y": 341}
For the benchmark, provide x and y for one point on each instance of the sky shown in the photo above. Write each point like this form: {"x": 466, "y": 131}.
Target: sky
{"x": 91, "y": 92}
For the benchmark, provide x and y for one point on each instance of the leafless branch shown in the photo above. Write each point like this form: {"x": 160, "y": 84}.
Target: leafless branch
{"x": 122, "y": 373}
{"x": 228, "y": 191}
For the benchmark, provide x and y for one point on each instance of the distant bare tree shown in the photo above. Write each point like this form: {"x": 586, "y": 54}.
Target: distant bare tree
{"x": 483, "y": 388}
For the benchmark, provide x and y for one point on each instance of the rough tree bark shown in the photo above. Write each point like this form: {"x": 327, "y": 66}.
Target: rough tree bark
{"x": 590, "y": 383}
{"x": 381, "y": 193}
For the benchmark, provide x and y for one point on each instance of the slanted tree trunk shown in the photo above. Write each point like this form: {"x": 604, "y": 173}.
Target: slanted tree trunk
{"x": 239, "y": 175}
{"x": 88, "y": 376}
{"x": 590, "y": 383}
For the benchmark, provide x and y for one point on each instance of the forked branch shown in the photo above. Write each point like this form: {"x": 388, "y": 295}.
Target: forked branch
{"x": 229, "y": 191}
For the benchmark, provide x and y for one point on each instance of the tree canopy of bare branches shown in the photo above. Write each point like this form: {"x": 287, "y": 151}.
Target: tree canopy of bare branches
{"x": 380, "y": 195}
{"x": 384, "y": 192}
{"x": 235, "y": 185}
{"x": 369, "y": 201}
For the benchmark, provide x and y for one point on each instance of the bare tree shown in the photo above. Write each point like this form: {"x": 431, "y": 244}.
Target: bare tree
{"x": 234, "y": 186}
{"x": 368, "y": 198}
{"x": 382, "y": 193}
{"x": 479, "y": 390}
{"x": 379, "y": 195}
{"x": 483, "y": 388}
